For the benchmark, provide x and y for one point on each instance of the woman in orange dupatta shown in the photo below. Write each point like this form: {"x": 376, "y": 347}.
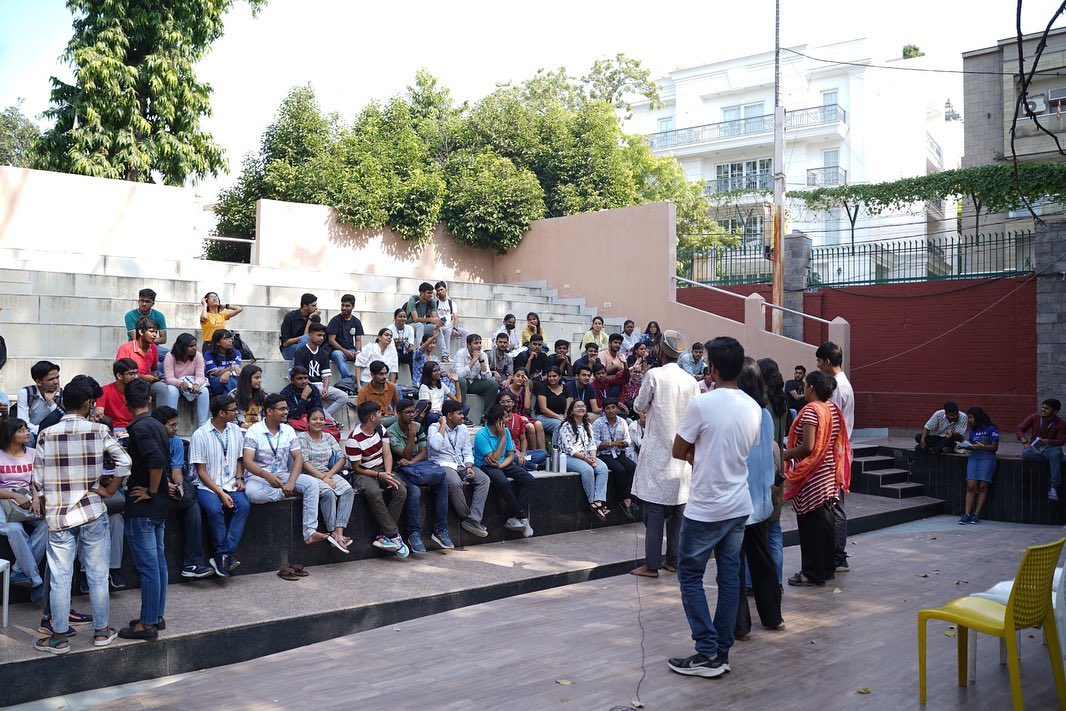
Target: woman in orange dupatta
{"x": 817, "y": 466}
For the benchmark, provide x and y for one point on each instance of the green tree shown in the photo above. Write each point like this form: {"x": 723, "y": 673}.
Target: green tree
{"x": 135, "y": 106}
{"x": 490, "y": 202}
{"x": 910, "y": 51}
{"x": 612, "y": 79}
{"x": 18, "y": 136}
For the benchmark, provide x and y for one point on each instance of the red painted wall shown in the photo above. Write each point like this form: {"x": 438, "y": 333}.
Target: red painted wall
{"x": 903, "y": 367}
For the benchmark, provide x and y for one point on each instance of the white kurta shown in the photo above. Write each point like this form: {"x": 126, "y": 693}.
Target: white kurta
{"x": 664, "y": 394}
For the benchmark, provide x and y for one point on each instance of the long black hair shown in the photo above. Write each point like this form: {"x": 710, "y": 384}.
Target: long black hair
{"x": 775, "y": 386}
{"x": 8, "y": 428}
{"x": 980, "y": 418}
{"x": 245, "y": 395}
{"x": 750, "y": 381}
{"x": 216, "y": 340}
{"x": 181, "y": 347}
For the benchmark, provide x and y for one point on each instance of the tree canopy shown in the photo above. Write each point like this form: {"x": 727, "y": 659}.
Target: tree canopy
{"x": 18, "y": 135}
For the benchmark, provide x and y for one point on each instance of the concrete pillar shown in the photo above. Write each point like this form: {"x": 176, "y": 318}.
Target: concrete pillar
{"x": 754, "y": 315}
{"x": 1050, "y": 263}
{"x": 797, "y": 266}
{"x": 840, "y": 334}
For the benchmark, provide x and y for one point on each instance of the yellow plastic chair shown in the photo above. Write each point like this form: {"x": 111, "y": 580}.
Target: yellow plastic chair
{"x": 1029, "y": 605}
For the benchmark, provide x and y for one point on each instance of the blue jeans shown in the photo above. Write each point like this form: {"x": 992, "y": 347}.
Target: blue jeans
{"x": 225, "y": 536}
{"x": 698, "y": 540}
{"x": 777, "y": 549}
{"x": 28, "y": 548}
{"x": 535, "y": 457}
{"x": 289, "y": 351}
{"x": 551, "y": 426}
{"x": 203, "y": 402}
{"x": 1053, "y": 457}
{"x": 340, "y": 363}
{"x": 425, "y": 474}
{"x": 93, "y": 541}
{"x": 593, "y": 478}
{"x": 145, "y": 538}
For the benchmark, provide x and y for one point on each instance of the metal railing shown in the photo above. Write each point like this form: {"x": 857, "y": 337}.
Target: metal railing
{"x": 800, "y": 118}
{"x": 227, "y": 249}
{"x": 746, "y": 264}
{"x": 763, "y": 180}
{"x": 829, "y": 175}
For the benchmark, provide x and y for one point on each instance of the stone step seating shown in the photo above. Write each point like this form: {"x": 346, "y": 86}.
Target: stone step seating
{"x": 877, "y": 474}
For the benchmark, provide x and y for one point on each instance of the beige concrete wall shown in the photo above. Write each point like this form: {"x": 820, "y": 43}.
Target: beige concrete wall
{"x": 72, "y": 213}
{"x": 295, "y": 236}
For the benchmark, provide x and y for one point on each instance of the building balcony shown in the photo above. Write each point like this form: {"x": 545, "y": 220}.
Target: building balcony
{"x": 936, "y": 153}
{"x": 826, "y": 177}
{"x": 751, "y": 181}
{"x": 741, "y": 129}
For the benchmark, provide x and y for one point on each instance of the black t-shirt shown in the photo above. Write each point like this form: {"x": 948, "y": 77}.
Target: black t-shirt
{"x": 345, "y": 331}
{"x": 317, "y": 364}
{"x": 542, "y": 362}
{"x": 555, "y": 403}
{"x": 293, "y": 325}
{"x": 298, "y": 407}
{"x": 149, "y": 448}
{"x": 794, "y": 403}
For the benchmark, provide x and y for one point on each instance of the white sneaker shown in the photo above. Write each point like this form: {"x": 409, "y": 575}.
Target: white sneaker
{"x": 528, "y": 532}
{"x": 513, "y": 524}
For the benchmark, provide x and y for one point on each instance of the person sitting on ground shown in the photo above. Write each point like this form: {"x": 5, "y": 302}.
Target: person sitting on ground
{"x": 422, "y": 312}
{"x": 215, "y": 452}
{"x": 381, "y": 390}
{"x": 381, "y": 348}
{"x": 324, "y": 460}
{"x": 591, "y": 356}
{"x": 534, "y": 360}
{"x": 21, "y": 507}
{"x": 315, "y": 358}
{"x": 514, "y": 336}
{"x": 475, "y": 376}
{"x": 410, "y": 455}
{"x": 553, "y": 402}
{"x": 561, "y": 360}
{"x": 612, "y": 443}
{"x": 494, "y": 454}
{"x": 652, "y": 334}
{"x": 184, "y": 375}
{"x": 596, "y": 334}
{"x": 146, "y": 309}
{"x": 222, "y": 362}
{"x": 1043, "y": 434}
{"x": 611, "y": 357}
{"x": 581, "y": 389}
{"x": 144, "y": 352}
{"x": 500, "y": 361}
{"x": 630, "y": 337}
{"x": 433, "y": 390}
{"x": 578, "y": 442}
{"x": 345, "y": 335}
{"x": 942, "y": 431}
{"x": 181, "y": 492}
{"x": 450, "y": 447}
{"x": 692, "y": 361}
{"x": 213, "y": 315}
{"x": 523, "y": 434}
{"x": 370, "y": 454}
{"x": 301, "y": 397}
{"x": 273, "y": 463}
{"x": 983, "y": 441}
{"x": 449, "y": 318}
{"x": 794, "y": 389}
{"x": 404, "y": 339}
{"x": 533, "y": 328}
{"x": 295, "y": 324}
{"x": 249, "y": 396}
{"x": 37, "y": 401}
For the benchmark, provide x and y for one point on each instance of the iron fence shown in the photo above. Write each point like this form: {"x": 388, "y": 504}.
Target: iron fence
{"x": 746, "y": 264}
{"x": 763, "y": 180}
{"x": 800, "y": 118}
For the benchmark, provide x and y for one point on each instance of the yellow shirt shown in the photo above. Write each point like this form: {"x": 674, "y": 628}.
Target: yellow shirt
{"x": 211, "y": 323}
{"x": 527, "y": 333}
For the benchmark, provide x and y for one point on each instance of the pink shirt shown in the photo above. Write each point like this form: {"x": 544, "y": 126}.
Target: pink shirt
{"x": 15, "y": 472}
{"x": 174, "y": 371}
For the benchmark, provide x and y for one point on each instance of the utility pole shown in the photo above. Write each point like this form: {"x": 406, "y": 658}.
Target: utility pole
{"x": 778, "y": 237}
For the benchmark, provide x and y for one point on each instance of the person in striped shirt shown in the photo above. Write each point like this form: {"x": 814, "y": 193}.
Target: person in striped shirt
{"x": 369, "y": 452}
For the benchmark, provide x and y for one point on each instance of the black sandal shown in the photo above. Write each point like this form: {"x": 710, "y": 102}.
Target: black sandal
{"x": 597, "y": 508}
{"x": 799, "y": 580}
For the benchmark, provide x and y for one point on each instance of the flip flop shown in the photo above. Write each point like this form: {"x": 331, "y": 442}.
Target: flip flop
{"x": 598, "y": 510}
{"x": 800, "y": 581}
{"x": 287, "y": 574}
{"x": 339, "y": 545}
{"x": 298, "y": 570}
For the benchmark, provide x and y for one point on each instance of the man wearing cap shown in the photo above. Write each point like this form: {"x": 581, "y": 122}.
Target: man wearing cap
{"x": 662, "y": 482}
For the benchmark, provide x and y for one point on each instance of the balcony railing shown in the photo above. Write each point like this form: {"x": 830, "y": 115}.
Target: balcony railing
{"x": 829, "y": 175}
{"x": 801, "y": 118}
{"x": 935, "y": 148}
{"x": 752, "y": 181}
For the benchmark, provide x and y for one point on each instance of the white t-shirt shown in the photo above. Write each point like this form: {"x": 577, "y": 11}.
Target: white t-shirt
{"x": 445, "y": 311}
{"x": 724, "y": 426}
{"x": 844, "y": 397}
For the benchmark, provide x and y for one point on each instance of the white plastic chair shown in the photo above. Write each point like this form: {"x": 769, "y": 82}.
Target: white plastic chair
{"x": 5, "y": 568}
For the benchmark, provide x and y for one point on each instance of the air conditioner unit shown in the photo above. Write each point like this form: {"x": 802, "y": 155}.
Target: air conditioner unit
{"x": 1057, "y": 94}
{"x": 1036, "y": 104}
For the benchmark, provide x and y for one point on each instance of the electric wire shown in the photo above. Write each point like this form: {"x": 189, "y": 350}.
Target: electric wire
{"x": 865, "y": 65}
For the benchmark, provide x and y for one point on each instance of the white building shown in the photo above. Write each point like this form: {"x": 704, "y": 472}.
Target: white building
{"x": 845, "y": 123}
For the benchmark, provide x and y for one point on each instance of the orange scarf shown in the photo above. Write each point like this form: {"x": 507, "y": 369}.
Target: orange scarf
{"x": 798, "y": 472}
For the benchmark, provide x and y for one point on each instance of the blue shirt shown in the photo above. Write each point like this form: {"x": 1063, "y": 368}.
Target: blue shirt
{"x": 761, "y": 471}
{"x": 133, "y": 316}
{"x": 485, "y": 442}
{"x": 177, "y": 459}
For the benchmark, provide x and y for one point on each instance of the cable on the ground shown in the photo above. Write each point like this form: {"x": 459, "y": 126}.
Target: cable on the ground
{"x": 640, "y": 609}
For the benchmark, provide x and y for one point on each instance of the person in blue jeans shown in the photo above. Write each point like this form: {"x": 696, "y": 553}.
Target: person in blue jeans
{"x": 147, "y": 504}
{"x": 1043, "y": 435}
{"x": 983, "y": 442}
{"x": 408, "y": 442}
{"x": 717, "y": 432}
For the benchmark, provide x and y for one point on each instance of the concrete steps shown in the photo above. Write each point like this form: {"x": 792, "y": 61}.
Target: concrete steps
{"x": 873, "y": 472}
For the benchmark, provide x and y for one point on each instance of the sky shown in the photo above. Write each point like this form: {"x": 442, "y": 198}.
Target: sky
{"x": 354, "y": 52}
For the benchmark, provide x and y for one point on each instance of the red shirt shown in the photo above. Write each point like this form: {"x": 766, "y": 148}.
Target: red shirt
{"x": 147, "y": 362}
{"x": 114, "y": 404}
{"x": 517, "y": 426}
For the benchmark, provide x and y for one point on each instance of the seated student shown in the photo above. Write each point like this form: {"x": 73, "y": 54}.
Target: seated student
{"x": 449, "y": 318}
{"x": 692, "y": 362}
{"x": 581, "y": 389}
{"x": 629, "y": 337}
{"x": 612, "y": 442}
{"x": 640, "y": 359}
{"x": 28, "y": 538}
{"x": 370, "y": 455}
{"x": 637, "y": 428}
{"x": 410, "y": 455}
{"x": 1043, "y": 434}
{"x": 182, "y": 494}
{"x": 345, "y": 335}
{"x": 500, "y": 361}
{"x": 945, "y": 428}
{"x": 630, "y": 389}
{"x": 222, "y": 362}
{"x": 215, "y": 452}
{"x": 534, "y": 360}
{"x": 324, "y": 459}
{"x": 381, "y": 348}
{"x": 596, "y": 334}
{"x": 434, "y": 390}
{"x": 514, "y": 336}
{"x": 609, "y": 386}
{"x": 552, "y": 403}
{"x": 592, "y": 351}
{"x": 449, "y": 446}
{"x": 301, "y": 397}
{"x": 143, "y": 351}
{"x": 146, "y": 309}
{"x": 578, "y": 441}
{"x": 521, "y": 390}
{"x": 794, "y": 389}
{"x": 295, "y": 324}
{"x": 532, "y": 328}
{"x": 249, "y": 395}
{"x": 382, "y": 391}
{"x": 652, "y": 335}
{"x": 561, "y": 360}
{"x": 523, "y": 434}
{"x": 475, "y": 376}
{"x": 422, "y": 355}
{"x": 112, "y": 403}
{"x": 494, "y": 454}
{"x": 273, "y": 464}
{"x": 213, "y": 315}
{"x": 314, "y": 357}
{"x": 36, "y": 401}
{"x": 611, "y": 357}
{"x": 707, "y": 382}
{"x": 183, "y": 373}
{"x": 422, "y": 312}
{"x": 403, "y": 339}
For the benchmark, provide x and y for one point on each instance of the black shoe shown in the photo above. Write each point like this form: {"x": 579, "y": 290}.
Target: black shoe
{"x": 232, "y": 563}
{"x": 149, "y": 634}
{"x": 116, "y": 580}
{"x": 218, "y": 564}
{"x": 161, "y": 625}
{"x": 83, "y": 584}
{"x": 699, "y": 665}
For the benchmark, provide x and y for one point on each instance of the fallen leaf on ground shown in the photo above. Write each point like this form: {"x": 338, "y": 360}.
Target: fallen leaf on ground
{"x": 636, "y": 704}
{"x": 837, "y": 591}
{"x": 563, "y": 682}
{"x": 923, "y": 575}
{"x": 962, "y": 582}
{"x": 813, "y": 641}
{"x": 863, "y": 690}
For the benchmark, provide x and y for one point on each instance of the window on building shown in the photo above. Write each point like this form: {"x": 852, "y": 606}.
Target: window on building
{"x": 743, "y": 119}
{"x": 830, "y": 98}
{"x": 666, "y": 124}
{"x": 833, "y": 233}
{"x": 744, "y": 175}
{"x": 750, "y": 229}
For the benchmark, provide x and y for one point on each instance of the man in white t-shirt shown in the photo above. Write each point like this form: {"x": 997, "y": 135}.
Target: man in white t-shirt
{"x": 830, "y": 357}
{"x": 449, "y": 319}
{"x": 716, "y": 434}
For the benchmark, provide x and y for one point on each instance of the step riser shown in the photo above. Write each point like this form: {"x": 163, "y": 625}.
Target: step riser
{"x": 904, "y": 491}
